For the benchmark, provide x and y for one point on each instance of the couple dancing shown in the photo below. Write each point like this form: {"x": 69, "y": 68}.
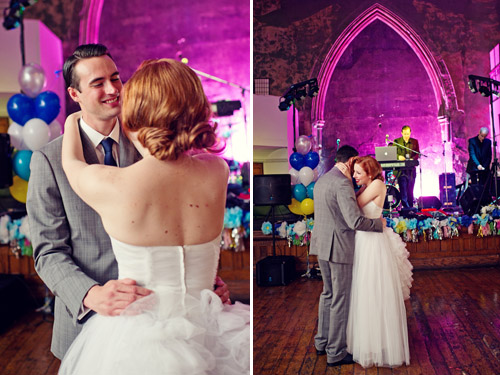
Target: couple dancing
{"x": 162, "y": 213}
{"x": 364, "y": 265}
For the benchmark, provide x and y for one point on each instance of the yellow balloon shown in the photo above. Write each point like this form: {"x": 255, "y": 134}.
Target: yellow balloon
{"x": 19, "y": 189}
{"x": 307, "y": 206}
{"x": 295, "y": 207}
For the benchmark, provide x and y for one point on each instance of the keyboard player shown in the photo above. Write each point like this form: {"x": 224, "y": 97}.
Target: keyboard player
{"x": 406, "y": 177}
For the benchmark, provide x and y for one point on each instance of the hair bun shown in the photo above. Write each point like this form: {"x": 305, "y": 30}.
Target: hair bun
{"x": 165, "y": 144}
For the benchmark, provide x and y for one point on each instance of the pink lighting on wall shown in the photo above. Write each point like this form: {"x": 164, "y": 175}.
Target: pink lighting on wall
{"x": 90, "y": 21}
{"x": 443, "y": 91}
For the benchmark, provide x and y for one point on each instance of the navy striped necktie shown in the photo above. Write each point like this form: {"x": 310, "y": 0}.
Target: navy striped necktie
{"x": 107, "y": 144}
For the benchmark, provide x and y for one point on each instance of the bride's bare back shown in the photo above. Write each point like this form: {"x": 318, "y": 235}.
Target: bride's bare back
{"x": 156, "y": 202}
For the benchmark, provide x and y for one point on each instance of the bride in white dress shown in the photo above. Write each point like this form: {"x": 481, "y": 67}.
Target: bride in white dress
{"x": 377, "y": 332}
{"x": 164, "y": 215}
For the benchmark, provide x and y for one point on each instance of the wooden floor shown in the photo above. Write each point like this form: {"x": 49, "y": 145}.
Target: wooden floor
{"x": 453, "y": 326}
{"x": 25, "y": 347}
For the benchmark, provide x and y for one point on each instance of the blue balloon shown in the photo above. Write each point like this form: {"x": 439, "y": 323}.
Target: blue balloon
{"x": 21, "y": 108}
{"x": 47, "y": 106}
{"x": 21, "y": 163}
{"x": 312, "y": 159}
{"x": 299, "y": 192}
{"x": 310, "y": 190}
{"x": 297, "y": 161}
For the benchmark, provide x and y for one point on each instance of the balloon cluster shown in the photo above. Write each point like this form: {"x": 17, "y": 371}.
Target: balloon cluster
{"x": 304, "y": 174}
{"x": 34, "y": 124}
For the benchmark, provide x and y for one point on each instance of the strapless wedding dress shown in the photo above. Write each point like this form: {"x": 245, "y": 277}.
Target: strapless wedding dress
{"x": 182, "y": 328}
{"x": 377, "y": 332}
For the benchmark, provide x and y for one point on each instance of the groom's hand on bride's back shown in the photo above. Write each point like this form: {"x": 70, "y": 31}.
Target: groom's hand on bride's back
{"x": 113, "y": 297}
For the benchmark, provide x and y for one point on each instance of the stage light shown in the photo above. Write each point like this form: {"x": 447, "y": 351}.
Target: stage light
{"x": 225, "y": 107}
{"x": 286, "y": 103}
{"x": 313, "y": 88}
{"x": 301, "y": 94}
{"x": 14, "y": 13}
{"x": 298, "y": 91}
{"x": 484, "y": 91}
{"x": 472, "y": 86}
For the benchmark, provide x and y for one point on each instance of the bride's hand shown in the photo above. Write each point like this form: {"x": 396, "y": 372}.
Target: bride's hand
{"x": 342, "y": 167}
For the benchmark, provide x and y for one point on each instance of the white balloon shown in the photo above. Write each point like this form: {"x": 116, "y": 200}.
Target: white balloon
{"x": 35, "y": 133}
{"x": 32, "y": 79}
{"x": 295, "y": 175}
{"x": 303, "y": 144}
{"x": 306, "y": 175}
{"x": 16, "y": 136}
{"x": 55, "y": 130}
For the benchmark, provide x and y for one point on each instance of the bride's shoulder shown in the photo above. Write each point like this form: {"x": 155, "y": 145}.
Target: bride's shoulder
{"x": 378, "y": 184}
{"x": 212, "y": 161}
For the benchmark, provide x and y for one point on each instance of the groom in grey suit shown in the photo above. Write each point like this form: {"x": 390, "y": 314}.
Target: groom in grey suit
{"x": 72, "y": 251}
{"x": 336, "y": 218}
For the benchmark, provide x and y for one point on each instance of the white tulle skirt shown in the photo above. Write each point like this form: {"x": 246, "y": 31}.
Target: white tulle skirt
{"x": 195, "y": 336}
{"x": 377, "y": 332}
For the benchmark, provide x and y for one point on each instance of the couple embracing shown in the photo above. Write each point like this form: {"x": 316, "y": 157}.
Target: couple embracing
{"x": 364, "y": 265}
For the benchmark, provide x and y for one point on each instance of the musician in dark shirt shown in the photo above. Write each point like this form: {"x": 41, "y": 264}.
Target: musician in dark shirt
{"x": 406, "y": 177}
{"x": 479, "y": 162}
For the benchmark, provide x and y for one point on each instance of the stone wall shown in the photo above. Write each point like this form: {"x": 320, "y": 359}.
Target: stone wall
{"x": 216, "y": 36}
{"x": 379, "y": 83}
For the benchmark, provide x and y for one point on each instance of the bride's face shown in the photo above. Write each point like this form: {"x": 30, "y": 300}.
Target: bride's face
{"x": 360, "y": 175}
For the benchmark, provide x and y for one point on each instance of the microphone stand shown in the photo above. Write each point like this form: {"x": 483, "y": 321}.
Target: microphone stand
{"x": 420, "y": 205}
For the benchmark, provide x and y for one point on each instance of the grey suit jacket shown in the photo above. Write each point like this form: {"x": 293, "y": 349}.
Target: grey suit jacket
{"x": 72, "y": 251}
{"x": 336, "y": 218}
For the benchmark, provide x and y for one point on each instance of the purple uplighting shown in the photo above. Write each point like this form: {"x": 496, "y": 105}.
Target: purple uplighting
{"x": 213, "y": 37}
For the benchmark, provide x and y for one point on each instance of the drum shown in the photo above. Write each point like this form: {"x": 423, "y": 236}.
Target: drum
{"x": 392, "y": 197}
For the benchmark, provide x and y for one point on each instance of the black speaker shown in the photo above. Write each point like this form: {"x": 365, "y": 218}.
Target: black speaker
{"x": 5, "y": 161}
{"x": 272, "y": 189}
{"x": 429, "y": 202}
{"x": 447, "y": 189}
{"x": 470, "y": 199}
{"x": 275, "y": 270}
{"x": 15, "y": 299}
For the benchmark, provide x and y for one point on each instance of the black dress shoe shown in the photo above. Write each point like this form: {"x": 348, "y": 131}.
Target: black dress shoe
{"x": 320, "y": 352}
{"x": 347, "y": 360}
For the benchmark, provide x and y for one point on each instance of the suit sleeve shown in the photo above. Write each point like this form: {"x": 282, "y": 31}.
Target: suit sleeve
{"x": 488, "y": 156}
{"x": 472, "y": 153}
{"x": 352, "y": 214}
{"x": 51, "y": 238}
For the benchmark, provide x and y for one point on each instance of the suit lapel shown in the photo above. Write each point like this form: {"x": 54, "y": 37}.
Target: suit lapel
{"x": 88, "y": 149}
{"x": 128, "y": 153}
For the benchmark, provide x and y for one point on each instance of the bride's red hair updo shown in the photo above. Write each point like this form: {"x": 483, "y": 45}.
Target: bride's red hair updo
{"x": 165, "y": 103}
{"x": 370, "y": 166}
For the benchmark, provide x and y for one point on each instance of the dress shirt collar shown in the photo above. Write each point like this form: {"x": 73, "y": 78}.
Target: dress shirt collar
{"x": 96, "y": 137}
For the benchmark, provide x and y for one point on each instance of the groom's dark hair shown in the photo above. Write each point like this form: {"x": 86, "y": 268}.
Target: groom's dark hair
{"x": 345, "y": 153}
{"x": 84, "y": 51}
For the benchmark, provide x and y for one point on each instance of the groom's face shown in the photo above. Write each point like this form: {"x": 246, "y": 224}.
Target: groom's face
{"x": 99, "y": 88}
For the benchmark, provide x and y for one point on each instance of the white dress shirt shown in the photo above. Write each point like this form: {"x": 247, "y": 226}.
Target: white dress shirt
{"x": 96, "y": 138}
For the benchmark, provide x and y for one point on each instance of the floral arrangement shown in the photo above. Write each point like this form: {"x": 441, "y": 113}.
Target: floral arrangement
{"x": 441, "y": 226}
{"x": 437, "y": 227}
{"x": 16, "y": 234}
{"x": 298, "y": 233}
{"x": 236, "y": 228}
